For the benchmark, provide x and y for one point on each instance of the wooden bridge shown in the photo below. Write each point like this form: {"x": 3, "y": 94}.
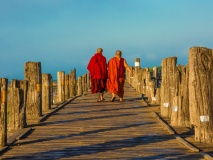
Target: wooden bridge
{"x": 85, "y": 129}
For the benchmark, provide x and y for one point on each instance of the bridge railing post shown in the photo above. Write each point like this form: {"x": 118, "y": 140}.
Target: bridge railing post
{"x": 72, "y": 83}
{"x": 83, "y": 83}
{"x": 168, "y": 85}
{"x": 201, "y": 92}
{"x": 67, "y": 89}
{"x": 88, "y": 82}
{"x": 17, "y": 107}
{"x": 61, "y": 86}
{"x": 80, "y": 88}
{"x": 33, "y": 75}
{"x": 3, "y": 113}
{"x": 46, "y": 92}
{"x": 180, "y": 109}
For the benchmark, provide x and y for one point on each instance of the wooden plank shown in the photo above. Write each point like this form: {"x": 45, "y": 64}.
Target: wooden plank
{"x": 86, "y": 129}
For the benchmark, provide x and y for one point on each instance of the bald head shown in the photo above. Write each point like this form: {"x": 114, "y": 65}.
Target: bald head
{"x": 99, "y": 50}
{"x": 118, "y": 53}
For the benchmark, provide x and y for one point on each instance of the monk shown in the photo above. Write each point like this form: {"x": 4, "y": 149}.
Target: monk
{"x": 98, "y": 74}
{"x": 116, "y": 75}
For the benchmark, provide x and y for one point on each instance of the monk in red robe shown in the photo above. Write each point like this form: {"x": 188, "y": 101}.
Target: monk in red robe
{"x": 116, "y": 75}
{"x": 98, "y": 74}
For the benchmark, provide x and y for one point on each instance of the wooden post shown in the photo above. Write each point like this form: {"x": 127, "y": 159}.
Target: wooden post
{"x": 185, "y": 93}
{"x": 88, "y": 82}
{"x": 34, "y": 102}
{"x": 80, "y": 89}
{"x": 18, "y": 97}
{"x": 3, "y": 111}
{"x": 83, "y": 83}
{"x": 72, "y": 83}
{"x": 152, "y": 91}
{"x": 143, "y": 81}
{"x": 51, "y": 91}
{"x": 157, "y": 96}
{"x": 135, "y": 78}
{"x": 168, "y": 85}
{"x": 180, "y": 109}
{"x": 137, "y": 63}
{"x": 61, "y": 86}
{"x": 149, "y": 86}
{"x": 55, "y": 92}
{"x": 201, "y": 92}
{"x": 131, "y": 78}
{"x": 139, "y": 80}
{"x": 46, "y": 92}
{"x": 155, "y": 71}
{"x": 67, "y": 88}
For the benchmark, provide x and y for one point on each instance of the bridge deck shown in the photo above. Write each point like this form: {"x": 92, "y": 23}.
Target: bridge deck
{"x": 85, "y": 129}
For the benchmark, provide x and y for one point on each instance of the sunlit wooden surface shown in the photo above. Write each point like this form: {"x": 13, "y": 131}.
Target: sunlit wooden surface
{"x": 86, "y": 129}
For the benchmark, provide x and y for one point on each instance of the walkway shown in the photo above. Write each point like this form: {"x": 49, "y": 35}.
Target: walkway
{"x": 85, "y": 129}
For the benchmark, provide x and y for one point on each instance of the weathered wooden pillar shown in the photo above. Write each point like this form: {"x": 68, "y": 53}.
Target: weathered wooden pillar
{"x": 55, "y": 90}
{"x": 88, "y": 82}
{"x": 137, "y": 63}
{"x": 149, "y": 86}
{"x": 32, "y": 74}
{"x": 131, "y": 78}
{"x": 168, "y": 85}
{"x": 134, "y": 82}
{"x": 158, "y": 96}
{"x": 185, "y": 93}
{"x": 83, "y": 83}
{"x": 180, "y": 109}
{"x": 201, "y": 92}
{"x": 143, "y": 81}
{"x": 155, "y": 71}
{"x": 152, "y": 92}
{"x": 80, "y": 88}
{"x": 51, "y": 91}
{"x": 18, "y": 97}
{"x": 46, "y": 92}
{"x": 139, "y": 80}
{"x": 61, "y": 86}
{"x": 3, "y": 111}
{"x": 72, "y": 82}
{"x": 67, "y": 88}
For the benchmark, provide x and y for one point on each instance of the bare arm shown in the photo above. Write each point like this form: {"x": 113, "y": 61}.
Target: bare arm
{"x": 127, "y": 67}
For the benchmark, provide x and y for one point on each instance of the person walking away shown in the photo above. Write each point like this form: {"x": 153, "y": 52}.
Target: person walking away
{"x": 116, "y": 75}
{"x": 97, "y": 67}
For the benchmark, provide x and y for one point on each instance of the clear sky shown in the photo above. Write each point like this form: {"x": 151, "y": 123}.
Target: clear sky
{"x": 64, "y": 34}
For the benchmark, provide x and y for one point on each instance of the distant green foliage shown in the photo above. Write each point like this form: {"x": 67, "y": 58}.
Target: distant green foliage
{"x": 159, "y": 69}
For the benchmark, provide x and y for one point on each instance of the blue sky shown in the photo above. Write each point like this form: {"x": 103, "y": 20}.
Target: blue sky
{"x": 64, "y": 34}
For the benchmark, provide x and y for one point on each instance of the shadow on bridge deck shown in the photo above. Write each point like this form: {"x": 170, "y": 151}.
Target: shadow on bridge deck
{"x": 86, "y": 129}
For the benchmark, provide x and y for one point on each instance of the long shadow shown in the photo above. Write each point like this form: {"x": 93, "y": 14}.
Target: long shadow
{"x": 85, "y": 133}
{"x": 101, "y": 110}
{"x": 171, "y": 155}
{"x": 70, "y": 152}
{"x": 79, "y": 119}
{"x": 88, "y": 105}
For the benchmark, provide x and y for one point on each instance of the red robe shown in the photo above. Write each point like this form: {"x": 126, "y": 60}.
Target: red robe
{"x": 116, "y": 76}
{"x": 98, "y": 73}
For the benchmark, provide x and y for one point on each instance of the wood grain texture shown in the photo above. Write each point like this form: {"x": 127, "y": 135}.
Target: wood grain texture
{"x": 3, "y": 111}
{"x": 201, "y": 92}
{"x": 168, "y": 86}
{"x": 86, "y": 129}
{"x": 32, "y": 73}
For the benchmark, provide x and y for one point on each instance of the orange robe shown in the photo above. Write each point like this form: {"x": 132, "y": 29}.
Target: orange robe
{"x": 116, "y": 76}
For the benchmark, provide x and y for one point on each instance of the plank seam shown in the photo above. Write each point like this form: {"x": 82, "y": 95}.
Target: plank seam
{"x": 182, "y": 140}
